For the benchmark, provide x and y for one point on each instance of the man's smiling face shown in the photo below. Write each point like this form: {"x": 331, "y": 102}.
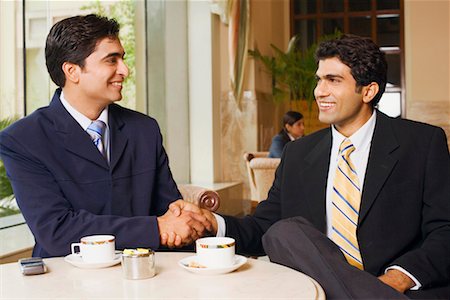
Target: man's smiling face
{"x": 340, "y": 102}
{"x": 103, "y": 73}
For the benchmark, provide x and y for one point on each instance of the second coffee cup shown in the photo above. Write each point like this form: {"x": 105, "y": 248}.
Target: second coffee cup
{"x": 95, "y": 248}
{"x": 216, "y": 252}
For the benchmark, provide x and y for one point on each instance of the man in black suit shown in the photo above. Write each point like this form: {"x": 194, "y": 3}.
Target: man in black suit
{"x": 403, "y": 227}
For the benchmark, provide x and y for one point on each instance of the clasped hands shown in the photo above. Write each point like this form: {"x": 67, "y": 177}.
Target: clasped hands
{"x": 185, "y": 222}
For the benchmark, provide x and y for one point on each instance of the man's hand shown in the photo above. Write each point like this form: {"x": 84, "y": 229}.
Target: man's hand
{"x": 179, "y": 206}
{"x": 397, "y": 280}
{"x": 182, "y": 229}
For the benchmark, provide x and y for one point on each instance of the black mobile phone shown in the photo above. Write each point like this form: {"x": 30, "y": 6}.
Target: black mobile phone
{"x": 32, "y": 266}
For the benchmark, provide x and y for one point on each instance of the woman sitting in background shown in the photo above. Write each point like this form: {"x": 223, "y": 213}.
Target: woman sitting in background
{"x": 293, "y": 128}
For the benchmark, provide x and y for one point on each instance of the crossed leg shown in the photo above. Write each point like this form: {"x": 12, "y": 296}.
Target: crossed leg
{"x": 297, "y": 244}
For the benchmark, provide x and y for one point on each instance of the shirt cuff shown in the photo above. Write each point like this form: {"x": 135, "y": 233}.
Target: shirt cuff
{"x": 416, "y": 282}
{"x": 221, "y": 227}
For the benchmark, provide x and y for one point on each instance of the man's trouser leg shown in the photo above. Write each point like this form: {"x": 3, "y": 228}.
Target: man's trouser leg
{"x": 297, "y": 244}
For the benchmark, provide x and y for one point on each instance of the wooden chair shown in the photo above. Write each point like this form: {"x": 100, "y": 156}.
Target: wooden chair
{"x": 200, "y": 196}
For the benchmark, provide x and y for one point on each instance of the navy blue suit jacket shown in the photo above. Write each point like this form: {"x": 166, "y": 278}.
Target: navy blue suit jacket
{"x": 278, "y": 143}
{"x": 66, "y": 189}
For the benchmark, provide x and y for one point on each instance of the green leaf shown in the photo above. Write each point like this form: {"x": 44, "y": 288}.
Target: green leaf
{"x": 293, "y": 71}
{"x": 5, "y": 185}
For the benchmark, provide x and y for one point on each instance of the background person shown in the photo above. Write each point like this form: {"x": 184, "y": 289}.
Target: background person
{"x": 293, "y": 127}
{"x": 69, "y": 184}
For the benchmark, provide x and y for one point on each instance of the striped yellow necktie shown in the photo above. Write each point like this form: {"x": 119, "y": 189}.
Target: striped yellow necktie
{"x": 345, "y": 210}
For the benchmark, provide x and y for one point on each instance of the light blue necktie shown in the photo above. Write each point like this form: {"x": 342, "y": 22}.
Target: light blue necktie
{"x": 96, "y": 130}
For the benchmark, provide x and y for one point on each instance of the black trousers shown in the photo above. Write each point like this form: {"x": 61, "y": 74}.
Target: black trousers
{"x": 297, "y": 244}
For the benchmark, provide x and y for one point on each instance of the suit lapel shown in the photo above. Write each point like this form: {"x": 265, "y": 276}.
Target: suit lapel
{"x": 72, "y": 136}
{"x": 380, "y": 164}
{"x": 316, "y": 173}
{"x": 118, "y": 138}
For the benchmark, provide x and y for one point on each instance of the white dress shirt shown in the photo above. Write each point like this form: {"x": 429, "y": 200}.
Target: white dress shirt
{"x": 361, "y": 139}
{"x": 85, "y": 121}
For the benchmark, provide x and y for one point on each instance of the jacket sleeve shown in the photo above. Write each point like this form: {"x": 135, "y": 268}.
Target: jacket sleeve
{"x": 54, "y": 219}
{"x": 430, "y": 263}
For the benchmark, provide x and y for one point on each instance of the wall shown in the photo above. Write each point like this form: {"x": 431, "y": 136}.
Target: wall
{"x": 204, "y": 93}
{"x": 245, "y": 128}
{"x": 427, "y": 62}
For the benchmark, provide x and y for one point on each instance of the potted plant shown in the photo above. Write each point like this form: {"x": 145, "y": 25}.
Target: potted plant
{"x": 8, "y": 205}
{"x": 293, "y": 71}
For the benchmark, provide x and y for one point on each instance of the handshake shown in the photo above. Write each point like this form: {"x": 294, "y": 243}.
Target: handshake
{"x": 183, "y": 223}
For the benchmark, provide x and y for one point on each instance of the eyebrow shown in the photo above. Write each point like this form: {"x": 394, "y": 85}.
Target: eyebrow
{"x": 330, "y": 76}
{"x": 114, "y": 54}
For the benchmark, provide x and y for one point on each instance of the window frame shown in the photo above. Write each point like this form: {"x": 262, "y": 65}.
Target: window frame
{"x": 346, "y": 14}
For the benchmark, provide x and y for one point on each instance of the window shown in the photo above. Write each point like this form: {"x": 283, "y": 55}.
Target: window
{"x": 381, "y": 20}
{"x": 147, "y": 33}
{"x": 24, "y": 82}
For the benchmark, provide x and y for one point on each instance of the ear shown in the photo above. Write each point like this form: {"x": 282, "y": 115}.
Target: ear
{"x": 71, "y": 71}
{"x": 287, "y": 127}
{"x": 370, "y": 91}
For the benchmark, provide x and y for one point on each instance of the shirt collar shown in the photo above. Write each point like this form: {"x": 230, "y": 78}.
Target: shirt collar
{"x": 361, "y": 138}
{"x": 79, "y": 117}
{"x": 290, "y": 136}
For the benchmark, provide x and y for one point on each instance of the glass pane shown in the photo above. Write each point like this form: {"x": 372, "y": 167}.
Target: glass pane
{"x": 388, "y": 30}
{"x": 306, "y": 29}
{"x": 41, "y": 15}
{"x": 393, "y": 75}
{"x": 11, "y": 90}
{"x": 360, "y": 26}
{"x": 304, "y": 7}
{"x": 391, "y": 104}
{"x": 38, "y": 88}
{"x": 359, "y": 5}
{"x": 333, "y": 6}
{"x": 331, "y": 25}
{"x": 388, "y": 4}
{"x": 37, "y": 79}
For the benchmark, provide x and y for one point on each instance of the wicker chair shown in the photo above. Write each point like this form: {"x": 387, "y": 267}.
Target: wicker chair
{"x": 261, "y": 173}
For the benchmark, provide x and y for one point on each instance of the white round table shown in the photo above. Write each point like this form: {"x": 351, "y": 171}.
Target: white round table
{"x": 256, "y": 279}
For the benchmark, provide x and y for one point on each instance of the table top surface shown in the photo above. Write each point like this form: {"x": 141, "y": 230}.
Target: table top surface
{"x": 256, "y": 279}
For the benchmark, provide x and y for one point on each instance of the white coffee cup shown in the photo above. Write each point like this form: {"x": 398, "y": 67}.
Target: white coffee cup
{"x": 215, "y": 252}
{"x": 95, "y": 248}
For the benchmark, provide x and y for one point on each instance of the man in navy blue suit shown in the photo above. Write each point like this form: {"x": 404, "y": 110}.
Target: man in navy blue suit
{"x": 65, "y": 187}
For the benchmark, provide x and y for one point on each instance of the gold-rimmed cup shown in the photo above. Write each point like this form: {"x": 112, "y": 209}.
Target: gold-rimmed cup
{"x": 95, "y": 248}
{"x": 215, "y": 252}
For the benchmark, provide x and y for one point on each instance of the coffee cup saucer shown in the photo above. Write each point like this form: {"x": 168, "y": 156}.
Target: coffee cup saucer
{"x": 77, "y": 261}
{"x": 187, "y": 262}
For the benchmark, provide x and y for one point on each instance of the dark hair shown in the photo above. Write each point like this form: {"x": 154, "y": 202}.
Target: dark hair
{"x": 73, "y": 39}
{"x": 365, "y": 59}
{"x": 290, "y": 118}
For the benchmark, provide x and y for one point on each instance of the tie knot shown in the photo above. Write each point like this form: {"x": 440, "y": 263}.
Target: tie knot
{"x": 346, "y": 148}
{"x": 97, "y": 127}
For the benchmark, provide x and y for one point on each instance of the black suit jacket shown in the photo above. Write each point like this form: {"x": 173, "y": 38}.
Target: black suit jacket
{"x": 67, "y": 190}
{"x": 405, "y": 208}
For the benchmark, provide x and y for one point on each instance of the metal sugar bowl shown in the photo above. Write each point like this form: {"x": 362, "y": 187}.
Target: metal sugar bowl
{"x": 138, "y": 263}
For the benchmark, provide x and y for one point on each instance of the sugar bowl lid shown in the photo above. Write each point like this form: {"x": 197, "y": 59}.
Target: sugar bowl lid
{"x": 137, "y": 252}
